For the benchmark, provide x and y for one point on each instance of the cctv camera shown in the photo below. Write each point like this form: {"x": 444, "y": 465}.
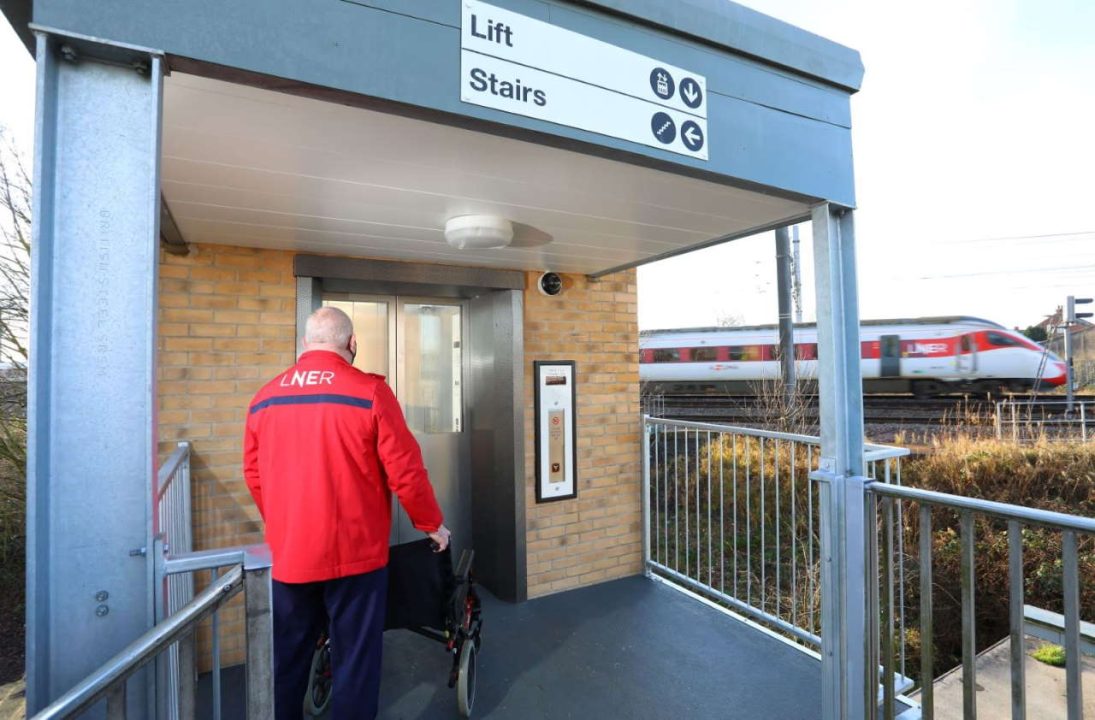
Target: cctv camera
{"x": 550, "y": 284}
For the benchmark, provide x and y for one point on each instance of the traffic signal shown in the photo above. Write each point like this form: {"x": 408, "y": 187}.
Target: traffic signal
{"x": 1073, "y": 316}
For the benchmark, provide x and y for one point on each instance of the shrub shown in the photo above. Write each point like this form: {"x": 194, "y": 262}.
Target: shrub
{"x": 1051, "y": 476}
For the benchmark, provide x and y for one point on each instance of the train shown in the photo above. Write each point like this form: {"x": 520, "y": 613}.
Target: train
{"x": 926, "y": 357}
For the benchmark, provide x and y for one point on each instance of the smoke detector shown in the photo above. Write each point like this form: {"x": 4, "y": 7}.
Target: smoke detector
{"x": 478, "y": 232}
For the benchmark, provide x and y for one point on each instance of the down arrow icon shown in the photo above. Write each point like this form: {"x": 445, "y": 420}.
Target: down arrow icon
{"x": 691, "y": 93}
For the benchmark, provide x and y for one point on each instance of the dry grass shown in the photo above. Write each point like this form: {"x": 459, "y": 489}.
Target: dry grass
{"x": 1051, "y": 476}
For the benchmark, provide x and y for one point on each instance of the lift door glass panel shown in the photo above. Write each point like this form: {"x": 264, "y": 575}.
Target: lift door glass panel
{"x": 417, "y": 344}
{"x": 372, "y": 324}
{"x": 430, "y": 366}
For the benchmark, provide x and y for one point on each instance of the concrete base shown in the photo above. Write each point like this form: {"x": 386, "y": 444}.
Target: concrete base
{"x": 1045, "y": 686}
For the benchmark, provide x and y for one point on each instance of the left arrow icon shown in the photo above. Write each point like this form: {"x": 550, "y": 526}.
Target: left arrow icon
{"x": 692, "y": 136}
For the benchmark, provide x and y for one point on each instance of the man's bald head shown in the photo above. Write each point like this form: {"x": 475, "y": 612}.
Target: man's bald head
{"x": 329, "y": 329}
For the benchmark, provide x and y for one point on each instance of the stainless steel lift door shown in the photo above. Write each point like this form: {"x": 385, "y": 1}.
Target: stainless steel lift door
{"x": 419, "y": 345}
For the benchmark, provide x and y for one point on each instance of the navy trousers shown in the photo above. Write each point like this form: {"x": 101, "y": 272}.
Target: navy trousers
{"x": 352, "y": 609}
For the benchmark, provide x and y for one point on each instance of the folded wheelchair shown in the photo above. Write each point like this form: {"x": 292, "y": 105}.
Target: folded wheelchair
{"x": 426, "y": 597}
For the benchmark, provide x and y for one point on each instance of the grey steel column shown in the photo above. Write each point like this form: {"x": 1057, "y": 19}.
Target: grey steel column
{"x": 786, "y": 328}
{"x": 91, "y": 454}
{"x": 848, "y": 686}
{"x": 258, "y": 604}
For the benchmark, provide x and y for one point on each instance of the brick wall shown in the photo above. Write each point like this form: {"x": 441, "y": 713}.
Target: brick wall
{"x": 596, "y": 536}
{"x": 227, "y": 325}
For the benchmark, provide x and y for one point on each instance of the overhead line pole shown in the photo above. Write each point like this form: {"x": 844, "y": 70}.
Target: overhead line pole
{"x": 786, "y": 328}
{"x": 796, "y": 275}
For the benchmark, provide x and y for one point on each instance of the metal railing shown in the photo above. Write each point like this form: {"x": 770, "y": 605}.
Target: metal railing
{"x": 174, "y": 587}
{"x": 731, "y": 513}
{"x": 886, "y": 498}
{"x": 172, "y": 593}
{"x": 251, "y": 574}
{"x": 1030, "y": 420}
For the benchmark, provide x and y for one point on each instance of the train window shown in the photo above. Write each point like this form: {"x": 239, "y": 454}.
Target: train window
{"x": 667, "y": 355}
{"x": 746, "y": 353}
{"x": 704, "y": 354}
{"x": 999, "y": 340}
{"x": 806, "y": 351}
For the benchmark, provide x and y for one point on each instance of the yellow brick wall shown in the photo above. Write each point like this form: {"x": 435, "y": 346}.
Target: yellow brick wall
{"x": 597, "y": 536}
{"x": 227, "y": 325}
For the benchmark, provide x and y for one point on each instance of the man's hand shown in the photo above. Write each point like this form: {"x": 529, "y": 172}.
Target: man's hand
{"x": 440, "y": 538}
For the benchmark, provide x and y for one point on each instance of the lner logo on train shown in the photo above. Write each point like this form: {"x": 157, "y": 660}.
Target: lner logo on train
{"x": 929, "y": 348}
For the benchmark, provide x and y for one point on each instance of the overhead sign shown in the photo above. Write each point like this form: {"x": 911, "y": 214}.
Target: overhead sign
{"x": 517, "y": 64}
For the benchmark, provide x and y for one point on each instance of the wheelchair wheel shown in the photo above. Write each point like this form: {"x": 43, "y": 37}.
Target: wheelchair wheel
{"x": 318, "y": 697}
{"x": 465, "y": 683}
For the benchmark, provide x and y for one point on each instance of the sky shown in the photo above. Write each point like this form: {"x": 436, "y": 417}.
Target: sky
{"x": 974, "y": 149}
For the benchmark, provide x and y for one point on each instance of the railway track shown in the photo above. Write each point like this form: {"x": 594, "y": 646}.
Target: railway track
{"x": 877, "y": 409}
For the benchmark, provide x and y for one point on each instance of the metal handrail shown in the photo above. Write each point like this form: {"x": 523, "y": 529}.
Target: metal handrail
{"x": 738, "y": 525}
{"x": 887, "y": 495}
{"x": 115, "y": 671}
{"x": 170, "y": 467}
{"x": 174, "y": 531}
{"x": 874, "y": 452}
{"x": 212, "y": 559}
{"x": 1005, "y": 511}
{"x": 1026, "y": 416}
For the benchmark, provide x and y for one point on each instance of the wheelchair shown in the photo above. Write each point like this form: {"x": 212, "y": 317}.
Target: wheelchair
{"x": 426, "y": 597}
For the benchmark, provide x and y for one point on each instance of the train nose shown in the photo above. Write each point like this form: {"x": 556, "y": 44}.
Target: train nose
{"x": 1056, "y": 374}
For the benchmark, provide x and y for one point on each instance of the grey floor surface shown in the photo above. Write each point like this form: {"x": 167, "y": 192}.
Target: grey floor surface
{"x": 630, "y": 648}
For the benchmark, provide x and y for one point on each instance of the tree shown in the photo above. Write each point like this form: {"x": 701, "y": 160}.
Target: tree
{"x": 15, "y": 189}
{"x": 725, "y": 318}
{"x": 15, "y": 228}
{"x": 1037, "y": 333}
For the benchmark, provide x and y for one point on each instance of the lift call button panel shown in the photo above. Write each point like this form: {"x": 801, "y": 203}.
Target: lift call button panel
{"x": 556, "y": 478}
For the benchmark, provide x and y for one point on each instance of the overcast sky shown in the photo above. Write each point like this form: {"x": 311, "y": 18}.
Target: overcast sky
{"x": 974, "y": 142}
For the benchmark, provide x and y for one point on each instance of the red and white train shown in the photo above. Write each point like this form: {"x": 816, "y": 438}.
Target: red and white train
{"x": 924, "y": 356}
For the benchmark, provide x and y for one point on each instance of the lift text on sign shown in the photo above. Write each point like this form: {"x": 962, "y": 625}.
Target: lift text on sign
{"x": 517, "y": 64}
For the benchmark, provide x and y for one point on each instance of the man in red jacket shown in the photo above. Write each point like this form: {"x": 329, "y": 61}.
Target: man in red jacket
{"x": 324, "y": 447}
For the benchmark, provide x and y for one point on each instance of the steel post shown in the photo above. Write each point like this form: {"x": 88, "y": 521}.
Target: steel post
{"x": 1016, "y": 621}
{"x": 91, "y": 447}
{"x": 847, "y": 689}
{"x": 796, "y": 288}
{"x": 258, "y": 604}
{"x": 646, "y": 494}
{"x": 1068, "y": 370}
{"x": 786, "y": 327}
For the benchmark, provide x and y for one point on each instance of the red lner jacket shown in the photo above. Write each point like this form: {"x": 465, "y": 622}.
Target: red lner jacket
{"x": 324, "y": 447}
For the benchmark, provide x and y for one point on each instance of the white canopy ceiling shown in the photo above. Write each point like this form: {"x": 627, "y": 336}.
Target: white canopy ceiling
{"x": 253, "y": 167}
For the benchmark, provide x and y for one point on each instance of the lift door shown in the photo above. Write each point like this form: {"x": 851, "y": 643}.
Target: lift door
{"x": 418, "y": 344}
